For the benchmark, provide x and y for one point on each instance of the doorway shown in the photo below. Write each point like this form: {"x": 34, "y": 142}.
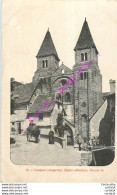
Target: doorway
{"x": 69, "y": 135}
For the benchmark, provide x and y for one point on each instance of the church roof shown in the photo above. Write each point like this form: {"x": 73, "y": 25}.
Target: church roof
{"x": 41, "y": 100}
{"x": 85, "y": 39}
{"x": 47, "y": 48}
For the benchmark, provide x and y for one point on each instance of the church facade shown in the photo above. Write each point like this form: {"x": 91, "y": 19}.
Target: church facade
{"x": 80, "y": 100}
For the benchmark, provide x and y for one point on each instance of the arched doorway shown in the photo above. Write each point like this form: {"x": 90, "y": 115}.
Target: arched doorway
{"x": 69, "y": 134}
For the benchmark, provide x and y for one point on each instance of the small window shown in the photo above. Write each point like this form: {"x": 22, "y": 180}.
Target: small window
{"x": 67, "y": 97}
{"x": 46, "y": 63}
{"x": 84, "y": 118}
{"x": 85, "y": 56}
{"x": 82, "y": 57}
{"x": 81, "y": 76}
{"x": 85, "y": 75}
{"x": 43, "y": 64}
{"x": 63, "y": 72}
{"x": 84, "y": 104}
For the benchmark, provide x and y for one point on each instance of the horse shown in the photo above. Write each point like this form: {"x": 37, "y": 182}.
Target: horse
{"x": 33, "y": 131}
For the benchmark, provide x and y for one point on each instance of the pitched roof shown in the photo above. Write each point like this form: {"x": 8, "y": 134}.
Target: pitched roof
{"x": 101, "y": 106}
{"x": 47, "y": 48}
{"x": 85, "y": 39}
{"x": 24, "y": 92}
{"x": 40, "y": 100}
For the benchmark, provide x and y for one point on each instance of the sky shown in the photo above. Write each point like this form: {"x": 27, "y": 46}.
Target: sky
{"x": 25, "y": 23}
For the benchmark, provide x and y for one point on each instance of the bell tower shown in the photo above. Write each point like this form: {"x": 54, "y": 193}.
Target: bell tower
{"x": 47, "y": 58}
{"x": 88, "y": 87}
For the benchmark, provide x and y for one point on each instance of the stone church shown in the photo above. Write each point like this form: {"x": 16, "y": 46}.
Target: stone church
{"x": 78, "y": 102}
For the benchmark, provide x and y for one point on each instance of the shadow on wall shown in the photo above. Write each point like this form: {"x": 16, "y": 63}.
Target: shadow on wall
{"x": 102, "y": 157}
{"x": 107, "y": 127}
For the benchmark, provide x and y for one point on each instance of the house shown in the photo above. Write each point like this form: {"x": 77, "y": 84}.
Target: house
{"x": 102, "y": 123}
{"x": 22, "y": 95}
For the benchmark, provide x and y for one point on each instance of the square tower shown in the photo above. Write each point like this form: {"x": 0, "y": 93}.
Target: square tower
{"x": 88, "y": 85}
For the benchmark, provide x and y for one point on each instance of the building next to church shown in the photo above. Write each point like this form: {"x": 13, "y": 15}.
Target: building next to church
{"x": 78, "y": 102}
{"x": 102, "y": 123}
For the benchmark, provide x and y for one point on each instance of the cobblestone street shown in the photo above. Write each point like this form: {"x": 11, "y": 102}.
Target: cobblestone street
{"x": 42, "y": 153}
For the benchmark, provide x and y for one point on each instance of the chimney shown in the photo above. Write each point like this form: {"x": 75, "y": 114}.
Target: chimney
{"x": 112, "y": 86}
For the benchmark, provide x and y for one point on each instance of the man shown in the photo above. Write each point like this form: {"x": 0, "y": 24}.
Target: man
{"x": 79, "y": 140}
{"x": 51, "y": 137}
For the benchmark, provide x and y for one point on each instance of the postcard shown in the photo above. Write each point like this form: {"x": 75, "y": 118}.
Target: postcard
{"x": 58, "y": 91}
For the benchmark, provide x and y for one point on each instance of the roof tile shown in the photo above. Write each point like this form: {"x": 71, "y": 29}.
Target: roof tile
{"x": 41, "y": 100}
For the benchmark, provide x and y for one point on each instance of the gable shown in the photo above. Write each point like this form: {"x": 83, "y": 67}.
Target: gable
{"x": 62, "y": 70}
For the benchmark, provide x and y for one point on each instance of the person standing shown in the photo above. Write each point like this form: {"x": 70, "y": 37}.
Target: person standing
{"x": 79, "y": 139}
{"x": 51, "y": 137}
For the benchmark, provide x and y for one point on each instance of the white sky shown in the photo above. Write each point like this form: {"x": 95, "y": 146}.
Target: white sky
{"x": 25, "y": 24}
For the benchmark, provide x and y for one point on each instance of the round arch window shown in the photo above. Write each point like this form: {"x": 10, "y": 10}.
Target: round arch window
{"x": 84, "y": 118}
{"x": 84, "y": 104}
{"x": 67, "y": 97}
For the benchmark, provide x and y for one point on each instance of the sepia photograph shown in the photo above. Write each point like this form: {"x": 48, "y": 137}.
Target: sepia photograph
{"x": 63, "y": 113}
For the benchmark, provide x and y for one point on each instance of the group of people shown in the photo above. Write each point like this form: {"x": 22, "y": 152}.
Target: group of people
{"x": 93, "y": 142}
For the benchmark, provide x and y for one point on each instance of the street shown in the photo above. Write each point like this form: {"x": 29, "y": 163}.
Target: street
{"x": 42, "y": 153}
